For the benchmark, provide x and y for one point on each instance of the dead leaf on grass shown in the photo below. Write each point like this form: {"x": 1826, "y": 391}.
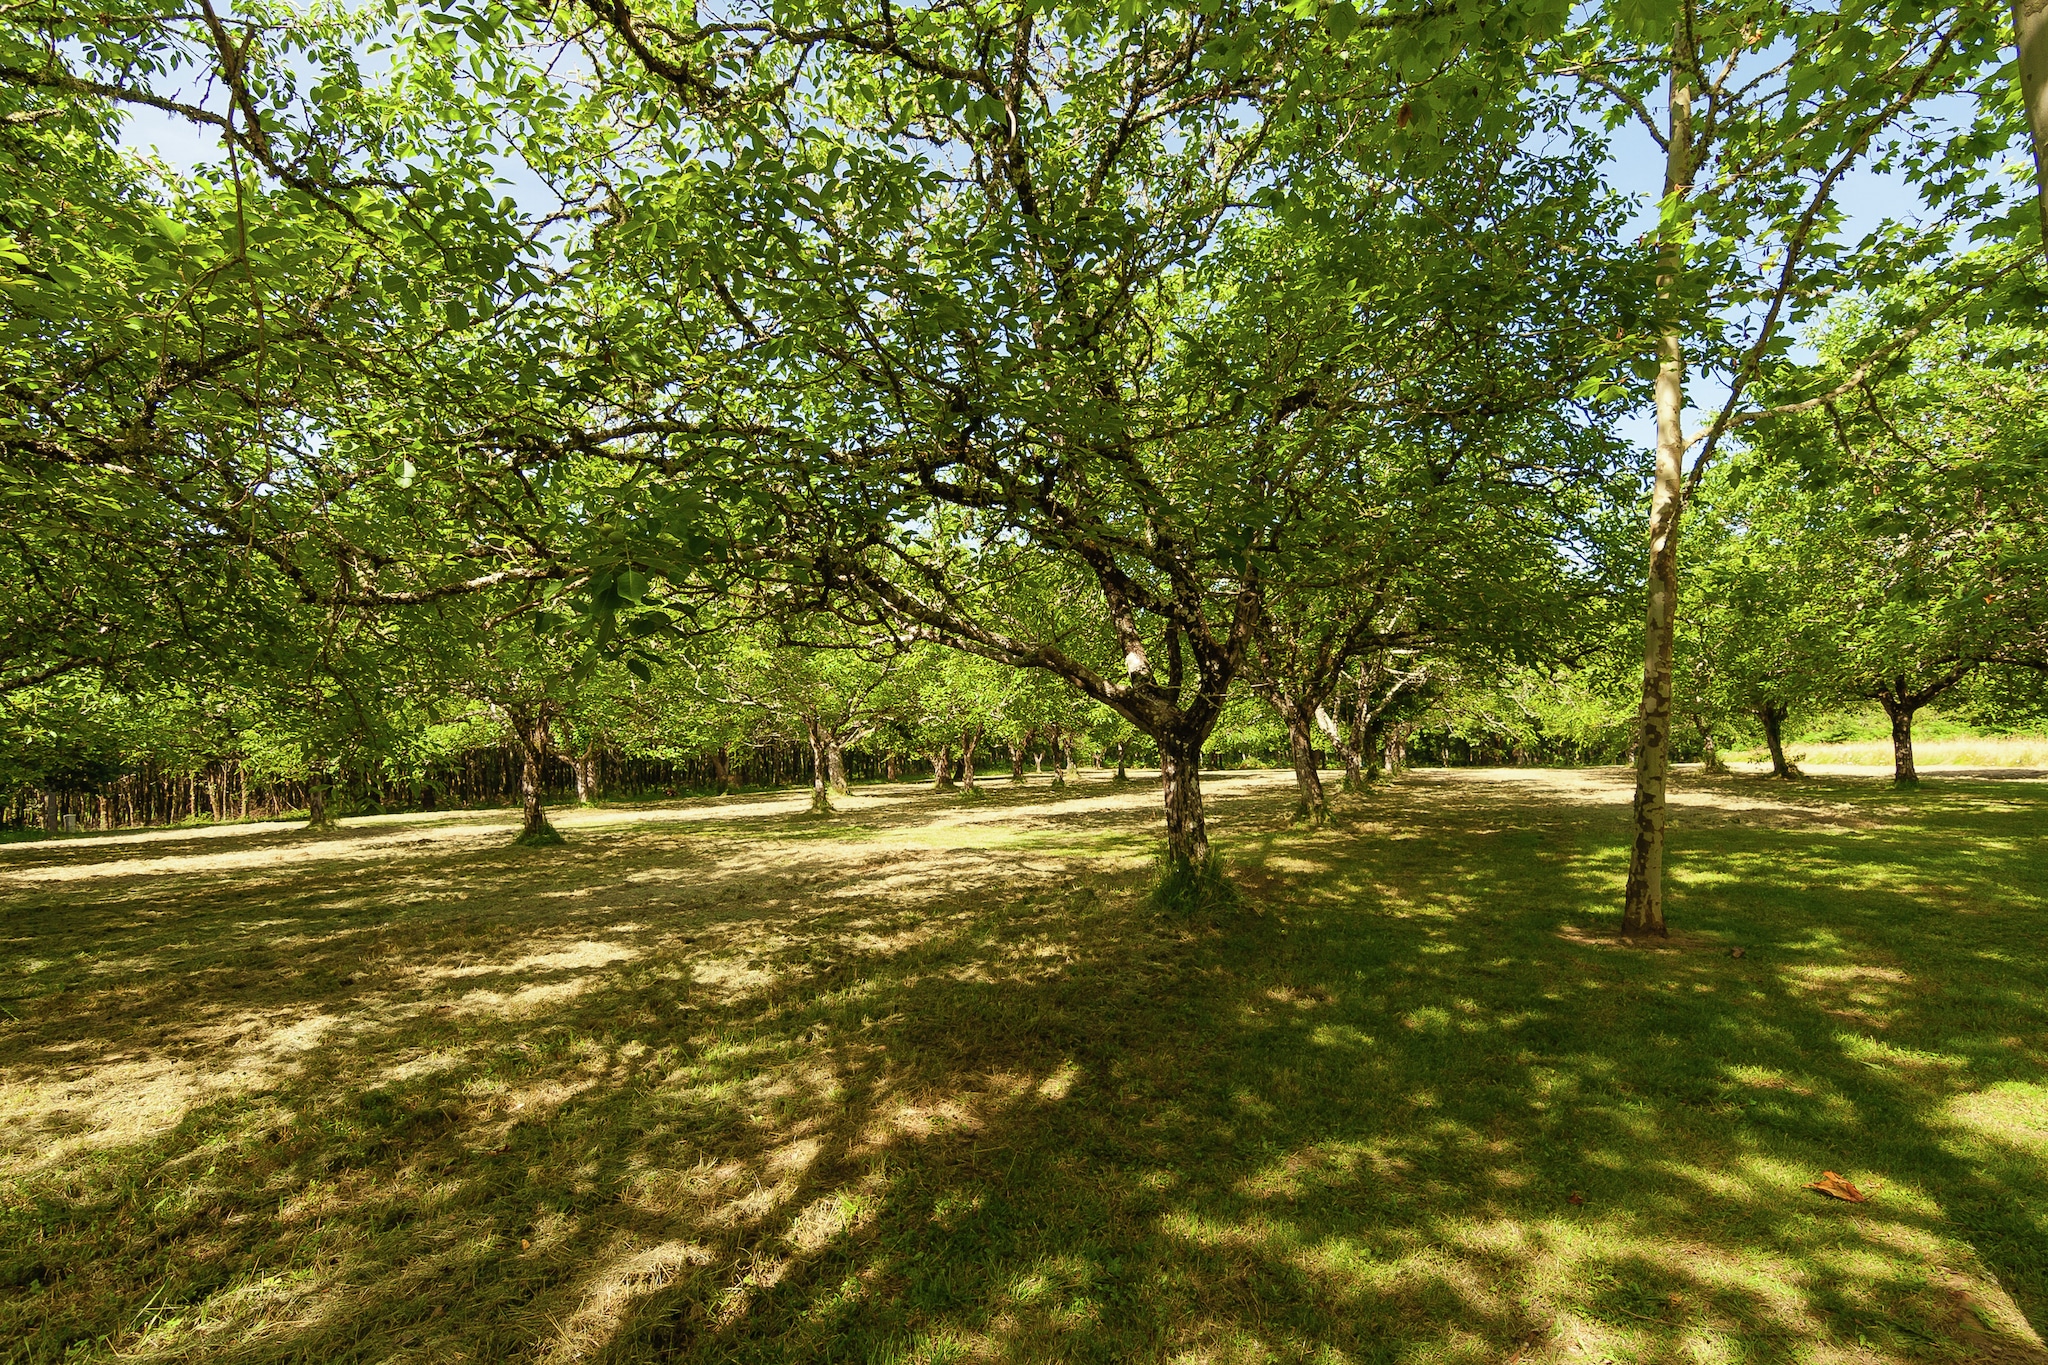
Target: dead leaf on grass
{"x": 1838, "y": 1188}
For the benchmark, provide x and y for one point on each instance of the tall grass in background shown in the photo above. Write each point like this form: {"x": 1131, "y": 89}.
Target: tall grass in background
{"x": 1998, "y": 751}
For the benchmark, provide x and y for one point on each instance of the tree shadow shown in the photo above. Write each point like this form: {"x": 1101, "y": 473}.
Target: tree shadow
{"x": 708, "y": 1094}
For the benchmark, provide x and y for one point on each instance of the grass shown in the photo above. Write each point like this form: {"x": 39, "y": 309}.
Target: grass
{"x": 2001, "y": 751}
{"x": 927, "y": 1082}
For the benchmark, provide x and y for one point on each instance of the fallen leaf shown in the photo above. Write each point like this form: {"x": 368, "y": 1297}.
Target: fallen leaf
{"x": 524, "y": 1244}
{"x": 1737, "y": 952}
{"x": 1833, "y": 1185}
{"x": 1575, "y": 1198}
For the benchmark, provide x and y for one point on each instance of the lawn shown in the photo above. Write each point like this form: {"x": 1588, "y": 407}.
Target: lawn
{"x": 926, "y": 1081}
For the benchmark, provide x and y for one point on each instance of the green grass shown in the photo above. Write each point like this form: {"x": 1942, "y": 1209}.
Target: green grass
{"x": 926, "y": 1081}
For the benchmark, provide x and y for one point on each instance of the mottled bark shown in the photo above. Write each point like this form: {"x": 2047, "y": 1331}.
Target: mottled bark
{"x": 1180, "y": 783}
{"x": 942, "y": 768}
{"x": 53, "y": 818}
{"x": 1643, "y": 905}
{"x": 2030, "y": 34}
{"x": 835, "y": 765}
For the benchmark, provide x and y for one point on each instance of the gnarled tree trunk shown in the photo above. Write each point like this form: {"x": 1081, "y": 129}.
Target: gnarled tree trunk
{"x": 1771, "y": 715}
{"x": 821, "y": 766}
{"x": 942, "y": 768}
{"x": 835, "y": 765}
{"x": 1310, "y": 806}
{"x": 1180, "y": 785}
{"x": 535, "y": 739}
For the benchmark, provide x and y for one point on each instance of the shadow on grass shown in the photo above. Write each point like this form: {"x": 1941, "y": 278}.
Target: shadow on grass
{"x": 938, "y": 1088}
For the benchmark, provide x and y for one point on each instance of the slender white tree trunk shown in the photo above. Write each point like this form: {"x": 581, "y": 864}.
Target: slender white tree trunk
{"x": 2030, "y": 33}
{"x": 1643, "y": 908}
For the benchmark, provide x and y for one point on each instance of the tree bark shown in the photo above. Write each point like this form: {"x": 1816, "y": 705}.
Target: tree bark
{"x": 835, "y": 765}
{"x": 1017, "y": 748}
{"x": 52, "y": 817}
{"x": 316, "y": 799}
{"x": 942, "y": 768}
{"x": 2030, "y": 34}
{"x": 1643, "y": 906}
{"x": 1901, "y": 713}
{"x": 1354, "y": 767}
{"x": 1059, "y": 757}
{"x": 1771, "y": 715}
{"x": 967, "y": 742}
{"x": 821, "y": 768}
{"x": 1121, "y": 775}
{"x": 530, "y": 726}
{"x": 1310, "y": 807}
{"x": 1180, "y": 783}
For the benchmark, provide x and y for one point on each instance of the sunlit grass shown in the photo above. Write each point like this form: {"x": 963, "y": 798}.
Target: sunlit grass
{"x": 2002, "y": 751}
{"x": 925, "y": 1081}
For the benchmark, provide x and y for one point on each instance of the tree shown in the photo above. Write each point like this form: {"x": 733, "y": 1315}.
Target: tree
{"x": 1902, "y": 530}
{"x": 1765, "y": 112}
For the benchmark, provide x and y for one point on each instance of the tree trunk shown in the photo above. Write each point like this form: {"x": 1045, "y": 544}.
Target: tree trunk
{"x": 1121, "y": 775}
{"x": 1643, "y": 906}
{"x": 1310, "y": 806}
{"x": 1901, "y": 712}
{"x": 316, "y": 799}
{"x": 1354, "y": 767}
{"x": 821, "y": 767}
{"x": 721, "y": 769}
{"x": 1772, "y": 716}
{"x": 835, "y": 765}
{"x": 889, "y": 769}
{"x": 2030, "y": 33}
{"x": 1073, "y": 763}
{"x": 52, "y": 817}
{"x": 1710, "y": 756}
{"x": 942, "y": 768}
{"x": 1017, "y": 762}
{"x": 534, "y": 741}
{"x": 1180, "y": 783}
{"x": 967, "y": 742}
